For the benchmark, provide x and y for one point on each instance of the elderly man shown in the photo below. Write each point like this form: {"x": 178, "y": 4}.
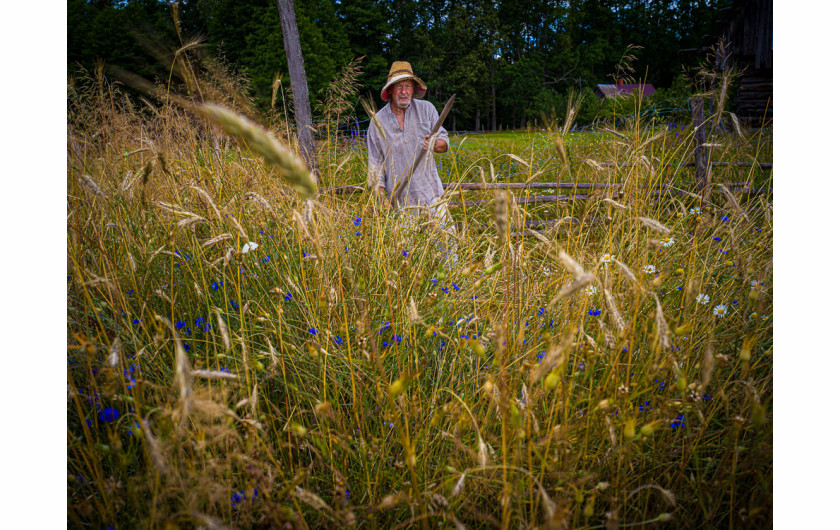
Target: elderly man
{"x": 395, "y": 141}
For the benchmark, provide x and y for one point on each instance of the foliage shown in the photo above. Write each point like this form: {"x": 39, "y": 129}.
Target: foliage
{"x": 240, "y": 357}
{"x": 509, "y": 61}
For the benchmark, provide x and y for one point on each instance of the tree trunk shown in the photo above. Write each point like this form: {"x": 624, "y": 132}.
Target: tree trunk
{"x": 701, "y": 151}
{"x": 300, "y": 90}
{"x": 492, "y": 95}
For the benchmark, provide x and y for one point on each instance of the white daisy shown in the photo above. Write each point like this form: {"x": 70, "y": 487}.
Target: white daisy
{"x": 249, "y": 246}
{"x": 591, "y": 290}
{"x": 666, "y": 242}
{"x": 694, "y": 211}
{"x": 649, "y": 269}
{"x": 606, "y": 258}
{"x": 719, "y": 311}
{"x": 703, "y": 298}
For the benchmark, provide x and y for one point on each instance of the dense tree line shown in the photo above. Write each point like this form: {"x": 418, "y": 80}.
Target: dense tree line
{"x": 509, "y": 61}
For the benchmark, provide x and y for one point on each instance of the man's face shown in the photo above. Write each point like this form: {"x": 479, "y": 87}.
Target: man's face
{"x": 402, "y": 93}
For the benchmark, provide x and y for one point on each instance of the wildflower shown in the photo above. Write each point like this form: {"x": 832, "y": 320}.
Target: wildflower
{"x": 445, "y": 289}
{"x": 606, "y": 258}
{"x": 199, "y": 322}
{"x": 649, "y": 269}
{"x": 694, "y": 211}
{"x": 591, "y": 290}
{"x": 249, "y": 246}
{"x": 130, "y": 292}
{"x": 313, "y": 331}
{"x": 716, "y": 238}
{"x": 358, "y": 233}
{"x": 215, "y": 286}
{"x": 594, "y": 312}
{"x": 357, "y": 221}
{"x": 338, "y": 340}
{"x": 541, "y": 312}
{"x": 703, "y": 298}
{"x": 455, "y": 286}
{"x": 187, "y": 347}
{"x": 724, "y": 219}
{"x": 136, "y": 321}
{"x": 719, "y": 311}
{"x": 180, "y": 324}
{"x": 678, "y": 422}
{"x": 266, "y": 259}
{"x": 287, "y": 297}
{"x": 108, "y": 414}
{"x": 405, "y": 253}
{"x": 234, "y": 305}
{"x": 305, "y": 255}
{"x": 666, "y": 242}
{"x": 540, "y": 356}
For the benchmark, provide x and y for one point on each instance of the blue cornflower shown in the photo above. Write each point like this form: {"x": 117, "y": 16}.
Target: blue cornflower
{"x": 357, "y": 221}
{"x": 234, "y": 305}
{"x": 434, "y": 281}
{"x": 187, "y": 347}
{"x": 707, "y": 397}
{"x": 129, "y": 292}
{"x": 541, "y": 312}
{"x": 594, "y": 312}
{"x": 347, "y": 495}
{"x": 305, "y": 254}
{"x": 215, "y": 286}
{"x": 109, "y": 414}
{"x": 338, "y": 340}
{"x": 405, "y": 253}
{"x": 397, "y": 339}
{"x": 455, "y": 286}
{"x": 386, "y": 344}
{"x": 199, "y": 322}
{"x": 313, "y": 331}
{"x": 758, "y": 229}
{"x": 180, "y": 324}
{"x": 207, "y": 326}
{"x": 266, "y": 259}
{"x": 678, "y": 422}
{"x": 540, "y": 356}
{"x": 358, "y": 233}
{"x": 643, "y": 406}
{"x": 287, "y": 297}
{"x": 136, "y": 321}
{"x": 383, "y": 327}
{"x": 716, "y": 238}
{"x": 724, "y": 219}
{"x": 445, "y": 289}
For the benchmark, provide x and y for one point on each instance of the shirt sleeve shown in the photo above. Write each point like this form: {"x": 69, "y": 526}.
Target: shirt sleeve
{"x": 376, "y": 159}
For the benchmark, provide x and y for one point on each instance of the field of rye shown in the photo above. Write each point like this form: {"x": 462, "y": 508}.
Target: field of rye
{"x": 245, "y": 352}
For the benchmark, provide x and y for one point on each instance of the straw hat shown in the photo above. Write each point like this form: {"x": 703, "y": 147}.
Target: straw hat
{"x": 402, "y": 70}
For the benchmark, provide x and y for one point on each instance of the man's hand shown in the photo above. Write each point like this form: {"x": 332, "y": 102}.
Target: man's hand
{"x": 440, "y": 145}
{"x": 384, "y": 199}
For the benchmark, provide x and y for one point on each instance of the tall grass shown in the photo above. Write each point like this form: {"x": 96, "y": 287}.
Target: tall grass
{"x": 236, "y": 362}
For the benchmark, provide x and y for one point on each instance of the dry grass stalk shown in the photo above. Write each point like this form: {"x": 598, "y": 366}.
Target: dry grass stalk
{"x": 662, "y": 329}
{"x": 190, "y": 221}
{"x": 259, "y": 199}
{"x": 114, "y": 354}
{"x": 625, "y": 270}
{"x": 223, "y": 329}
{"x": 570, "y": 288}
{"x": 653, "y": 224}
{"x": 615, "y": 315}
{"x": 500, "y": 209}
{"x": 221, "y": 237}
{"x": 292, "y": 169}
{"x": 212, "y": 374}
{"x": 88, "y": 182}
{"x": 616, "y": 204}
{"x": 569, "y": 263}
{"x": 153, "y": 446}
{"x": 209, "y": 200}
{"x": 732, "y": 201}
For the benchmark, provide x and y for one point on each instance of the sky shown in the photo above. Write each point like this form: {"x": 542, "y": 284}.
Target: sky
{"x": 34, "y": 236}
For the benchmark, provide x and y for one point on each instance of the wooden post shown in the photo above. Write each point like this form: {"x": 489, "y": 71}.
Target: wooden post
{"x": 300, "y": 90}
{"x": 701, "y": 151}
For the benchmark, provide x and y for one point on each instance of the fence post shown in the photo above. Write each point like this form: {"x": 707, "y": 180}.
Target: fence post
{"x": 701, "y": 151}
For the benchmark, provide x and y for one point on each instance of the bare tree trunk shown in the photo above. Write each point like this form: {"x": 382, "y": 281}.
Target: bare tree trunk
{"x": 300, "y": 90}
{"x": 701, "y": 151}
{"x": 492, "y": 95}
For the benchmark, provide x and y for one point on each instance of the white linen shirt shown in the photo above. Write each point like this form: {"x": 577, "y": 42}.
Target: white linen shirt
{"x": 390, "y": 159}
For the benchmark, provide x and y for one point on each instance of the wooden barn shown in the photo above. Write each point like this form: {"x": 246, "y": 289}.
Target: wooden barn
{"x": 623, "y": 89}
{"x": 746, "y": 32}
